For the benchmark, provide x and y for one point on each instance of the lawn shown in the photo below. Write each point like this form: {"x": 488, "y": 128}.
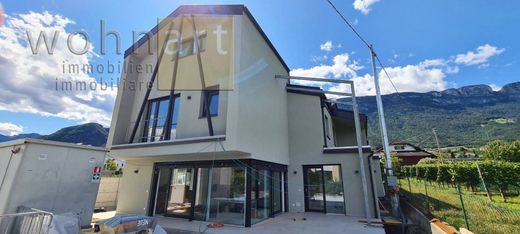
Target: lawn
{"x": 484, "y": 216}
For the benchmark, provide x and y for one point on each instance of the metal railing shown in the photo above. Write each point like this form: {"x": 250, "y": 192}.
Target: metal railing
{"x": 26, "y": 221}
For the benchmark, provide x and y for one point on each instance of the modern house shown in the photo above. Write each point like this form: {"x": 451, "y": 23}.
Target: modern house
{"x": 213, "y": 135}
{"x": 407, "y": 153}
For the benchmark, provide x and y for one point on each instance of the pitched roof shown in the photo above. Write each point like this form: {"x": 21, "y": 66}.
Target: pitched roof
{"x": 209, "y": 10}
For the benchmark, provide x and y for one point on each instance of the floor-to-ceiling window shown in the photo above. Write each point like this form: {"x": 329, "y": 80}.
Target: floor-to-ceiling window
{"x": 260, "y": 196}
{"x": 216, "y": 191}
{"x": 324, "y": 189}
{"x": 228, "y": 195}
{"x": 277, "y": 183}
{"x": 156, "y": 119}
{"x": 181, "y": 189}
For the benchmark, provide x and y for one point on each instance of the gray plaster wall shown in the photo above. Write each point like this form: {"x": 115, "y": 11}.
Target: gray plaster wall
{"x": 54, "y": 178}
{"x": 306, "y": 148}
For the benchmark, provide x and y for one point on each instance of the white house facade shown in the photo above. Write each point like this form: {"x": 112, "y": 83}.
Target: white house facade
{"x": 208, "y": 133}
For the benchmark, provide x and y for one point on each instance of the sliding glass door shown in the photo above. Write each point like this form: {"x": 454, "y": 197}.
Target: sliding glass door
{"x": 314, "y": 196}
{"x": 228, "y": 193}
{"x": 277, "y": 183}
{"x": 324, "y": 189}
{"x": 174, "y": 191}
{"x": 181, "y": 190}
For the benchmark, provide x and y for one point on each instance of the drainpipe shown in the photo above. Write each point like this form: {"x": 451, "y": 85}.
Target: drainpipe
{"x": 374, "y": 188}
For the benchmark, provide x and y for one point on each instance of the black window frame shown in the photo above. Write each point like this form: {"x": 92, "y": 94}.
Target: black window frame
{"x": 166, "y": 126}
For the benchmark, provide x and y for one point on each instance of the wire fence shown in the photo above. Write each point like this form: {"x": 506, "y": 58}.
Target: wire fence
{"x": 464, "y": 207}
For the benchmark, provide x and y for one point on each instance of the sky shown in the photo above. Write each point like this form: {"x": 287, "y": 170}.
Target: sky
{"x": 428, "y": 45}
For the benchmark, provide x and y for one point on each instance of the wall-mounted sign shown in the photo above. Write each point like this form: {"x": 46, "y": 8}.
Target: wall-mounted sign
{"x": 96, "y": 174}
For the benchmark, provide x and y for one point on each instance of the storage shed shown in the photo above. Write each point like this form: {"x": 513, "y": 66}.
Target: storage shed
{"x": 51, "y": 176}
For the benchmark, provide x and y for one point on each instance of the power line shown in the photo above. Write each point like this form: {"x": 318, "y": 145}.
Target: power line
{"x": 386, "y": 73}
{"x": 348, "y": 23}
{"x": 364, "y": 41}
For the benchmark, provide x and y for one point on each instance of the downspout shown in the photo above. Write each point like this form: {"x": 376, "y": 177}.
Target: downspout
{"x": 323, "y": 123}
{"x": 374, "y": 189}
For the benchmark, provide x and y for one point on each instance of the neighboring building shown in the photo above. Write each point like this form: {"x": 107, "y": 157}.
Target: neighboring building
{"x": 407, "y": 153}
{"x": 236, "y": 154}
{"x": 51, "y": 176}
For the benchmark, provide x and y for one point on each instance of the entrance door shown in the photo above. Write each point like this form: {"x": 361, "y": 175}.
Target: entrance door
{"x": 324, "y": 189}
{"x": 314, "y": 191}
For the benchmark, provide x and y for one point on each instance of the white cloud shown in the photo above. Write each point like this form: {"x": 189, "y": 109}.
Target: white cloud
{"x": 319, "y": 58}
{"x": 426, "y": 76}
{"x": 341, "y": 67}
{"x": 10, "y": 129}
{"x": 480, "y": 56}
{"x": 327, "y": 46}
{"x": 364, "y": 5}
{"x": 29, "y": 81}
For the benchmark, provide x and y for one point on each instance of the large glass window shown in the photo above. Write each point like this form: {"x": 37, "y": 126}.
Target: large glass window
{"x": 277, "y": 191}
{"x": 324, "y": 189}
{"x": 334, "y": 198}
{"x": 217, "y": 192}
{"x": 156, "y": 119}
{"x": 228, "y": 195}
{"x": 201, "y": 209}
{"x": 260, "y": 196}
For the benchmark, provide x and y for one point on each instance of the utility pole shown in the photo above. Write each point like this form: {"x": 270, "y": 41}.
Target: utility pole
{"x": 437, "y": 140}
{"x": 391, "y": 179}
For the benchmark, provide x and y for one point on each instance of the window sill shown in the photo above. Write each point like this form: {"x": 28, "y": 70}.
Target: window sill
{"x": 203, "y": 116}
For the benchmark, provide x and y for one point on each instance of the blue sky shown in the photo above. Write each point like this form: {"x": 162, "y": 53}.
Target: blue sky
{"x": 427, "y": 45}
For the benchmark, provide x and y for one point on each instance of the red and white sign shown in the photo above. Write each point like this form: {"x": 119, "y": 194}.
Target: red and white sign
{"x": 97, "y": 170}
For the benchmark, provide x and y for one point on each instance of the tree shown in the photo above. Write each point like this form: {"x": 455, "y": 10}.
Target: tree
{"x": 111, "y": 164}
{"x": 396, "y": 163}
{"x": 500, "y": 150}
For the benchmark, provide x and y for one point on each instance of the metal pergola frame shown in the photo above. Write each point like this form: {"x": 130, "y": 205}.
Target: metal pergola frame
{"x": 357, "y": 122}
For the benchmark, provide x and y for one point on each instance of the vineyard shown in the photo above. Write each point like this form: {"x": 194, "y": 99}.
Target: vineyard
{"x": 500, "y": 176}
{"x": 490, "y": 192}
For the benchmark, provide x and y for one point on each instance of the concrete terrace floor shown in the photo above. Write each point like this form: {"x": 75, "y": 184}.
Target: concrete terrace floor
{"x": 284, "y": 224}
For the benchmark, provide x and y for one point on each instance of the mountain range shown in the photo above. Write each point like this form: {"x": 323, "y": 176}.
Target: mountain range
{"x": 469, "y": 116}
{"x": 88, "y": 134}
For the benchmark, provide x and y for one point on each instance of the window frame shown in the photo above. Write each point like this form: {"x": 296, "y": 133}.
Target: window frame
{"x": 157, "y": 106}
{"x": 207, "y": 96}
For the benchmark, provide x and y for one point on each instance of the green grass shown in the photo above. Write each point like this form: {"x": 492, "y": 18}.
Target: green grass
{"x": 484, "y": 216}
